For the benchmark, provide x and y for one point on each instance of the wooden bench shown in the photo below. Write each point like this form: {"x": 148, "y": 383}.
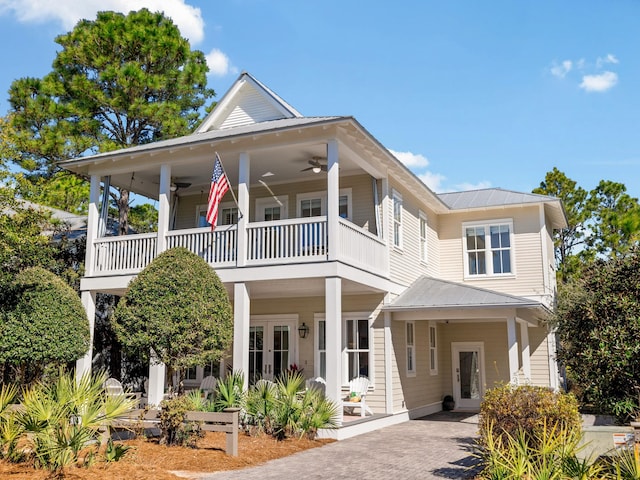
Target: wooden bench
{"x": 226, "y": 422}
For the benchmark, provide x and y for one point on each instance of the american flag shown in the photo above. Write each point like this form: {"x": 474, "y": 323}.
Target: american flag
{"x": 219, "y": 186}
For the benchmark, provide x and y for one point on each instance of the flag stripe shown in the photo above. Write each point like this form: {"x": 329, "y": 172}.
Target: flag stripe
{"x": 219, "y": 186}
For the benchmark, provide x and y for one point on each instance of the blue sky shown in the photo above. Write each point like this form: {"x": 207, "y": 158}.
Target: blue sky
{"x": 470, "y": 94}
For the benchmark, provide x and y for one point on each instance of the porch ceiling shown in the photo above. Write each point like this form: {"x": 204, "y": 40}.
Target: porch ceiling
{"x": 277, "y": 155}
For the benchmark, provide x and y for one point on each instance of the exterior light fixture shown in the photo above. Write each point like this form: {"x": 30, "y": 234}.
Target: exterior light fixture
{"x": 317, "y": 169}
{"x": 303, "y": 330}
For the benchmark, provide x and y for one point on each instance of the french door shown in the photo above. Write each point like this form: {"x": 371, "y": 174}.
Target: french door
{"x": 468, "y": 374}
{"x": 272, "y": 348}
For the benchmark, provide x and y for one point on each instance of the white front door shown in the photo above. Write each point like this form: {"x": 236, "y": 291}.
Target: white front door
{"x": 468, "y": 374}
{"x": 271, "y": 348}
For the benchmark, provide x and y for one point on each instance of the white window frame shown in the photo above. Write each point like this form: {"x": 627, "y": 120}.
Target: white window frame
{"x": 203, "y": 208}
{"x": 281, "y": 201}
{"x": 345, "y": 351}
{"x": 423, "y": 232}
{"x": 317, "y": 351}
{"x": 487, "y": 224}
{"x": 410, "y": 342}
{"x": 396, "y": 230}
{"x": 323, "y": 201}
{"x": 432, "y": 340}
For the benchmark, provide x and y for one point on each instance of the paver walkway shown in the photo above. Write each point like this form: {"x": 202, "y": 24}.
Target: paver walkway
{"x": 437, "y": 446}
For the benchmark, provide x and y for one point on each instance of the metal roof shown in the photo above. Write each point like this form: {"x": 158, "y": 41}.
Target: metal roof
{"x": 491, "y": 197}
{"x": 431, "y": 293}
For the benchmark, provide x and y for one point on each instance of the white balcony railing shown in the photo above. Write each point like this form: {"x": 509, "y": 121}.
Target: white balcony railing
{"x": 268, "y": 243}
{"x": 217, "y": 247}
{"x": 287, "y": 240}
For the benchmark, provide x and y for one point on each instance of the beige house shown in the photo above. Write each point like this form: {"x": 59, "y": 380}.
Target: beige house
{"x": 339, "y": 259}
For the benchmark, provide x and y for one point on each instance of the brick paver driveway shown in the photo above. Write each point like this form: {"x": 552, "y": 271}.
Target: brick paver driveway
{"x": 437, "y": 446}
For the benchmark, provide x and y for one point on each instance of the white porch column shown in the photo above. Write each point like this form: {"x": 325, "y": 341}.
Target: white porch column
{"x": 241, "y": 320}
{"x": 83, "y": 364}
{"x": 554, "y": 371}
{"x": 333, "y": 325}
{"x": 513, "y": 348}
{"x": 243, "y": 208}
{"x": 333, "y": 194}
{"x": 157, "y": 373}
{"x": 92, "y": 224}
{"x": 157, "y": 370}
{"x": 163, "y": 208}
{"x": 388, "y": 379}
{"x": 524, "y": 350}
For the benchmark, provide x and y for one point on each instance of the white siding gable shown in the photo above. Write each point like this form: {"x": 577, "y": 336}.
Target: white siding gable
{"x": 251, "y": 107}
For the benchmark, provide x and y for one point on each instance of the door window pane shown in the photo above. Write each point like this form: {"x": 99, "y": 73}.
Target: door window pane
{"x": 469, "y": 375}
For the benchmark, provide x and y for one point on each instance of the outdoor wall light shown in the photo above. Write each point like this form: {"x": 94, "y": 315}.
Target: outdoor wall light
{"x": 303, "y": 330}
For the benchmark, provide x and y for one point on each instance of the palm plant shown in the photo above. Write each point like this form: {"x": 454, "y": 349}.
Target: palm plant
{"x": 230, "y": 392}
{"x": 259, "y": 406}
{"x": 63, "y": 418}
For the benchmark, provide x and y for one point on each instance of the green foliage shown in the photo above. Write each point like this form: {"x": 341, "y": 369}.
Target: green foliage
{"x": 598, "y": 323}
{"x": 230, "y": 392}
{"x": 175, "y": 431}
{"x": 507, "y": 410}
{"x": 143, "y": 218}
{"x": 63, "y": 190}
{"x": 45, "y": 327}
{"x": 115, "y": 451}
{"x": 284, "y": 409}
{"x": 117, "y": 81}
{"x": 58, "y": 420}
{"x": 178, "y": 307}
{"x": 548, "y": 453}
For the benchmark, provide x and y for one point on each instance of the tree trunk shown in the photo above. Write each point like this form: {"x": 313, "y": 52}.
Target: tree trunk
{"x": 123, "y": 212}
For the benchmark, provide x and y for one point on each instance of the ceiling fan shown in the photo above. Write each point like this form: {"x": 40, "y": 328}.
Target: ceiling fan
{"x": 316, "y": 166}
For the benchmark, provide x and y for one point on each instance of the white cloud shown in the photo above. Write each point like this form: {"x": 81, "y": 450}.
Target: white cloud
{"x": 473, "y": 186}
{"x": 218, "y": 63}
{"x": 433, "y": 180}
{"x": 600, "y": 82}
{"x": 562, "y": 69}
{"x": 411, "y": 160}
{"x": 610, "y": 58}
{"x": 69, "y": 12}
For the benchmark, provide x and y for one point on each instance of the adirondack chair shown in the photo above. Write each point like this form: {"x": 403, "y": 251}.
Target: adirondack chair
{"x": 317, "y": 383}
{"x": 208, "y": 385}
{"x": 357, "y": 392}
{"x": 113, "y": 388}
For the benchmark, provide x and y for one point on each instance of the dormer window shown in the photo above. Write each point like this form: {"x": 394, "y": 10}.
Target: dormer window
{"x": 488, "y": 248}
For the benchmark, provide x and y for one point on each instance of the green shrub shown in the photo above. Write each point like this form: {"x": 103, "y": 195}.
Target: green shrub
{"x": 507, "y": 410}
{"x": 175, "y": 431}
{"x": 230, "y": 392}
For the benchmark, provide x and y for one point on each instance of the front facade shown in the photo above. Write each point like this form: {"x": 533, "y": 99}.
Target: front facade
{"x": 337, "y": 258}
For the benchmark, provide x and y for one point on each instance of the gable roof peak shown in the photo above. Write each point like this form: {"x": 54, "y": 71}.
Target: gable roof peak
{"x": 248, "y": 101}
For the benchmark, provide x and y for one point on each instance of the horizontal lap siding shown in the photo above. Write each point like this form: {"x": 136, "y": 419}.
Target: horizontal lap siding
{"x": 527, "y": 250}
{"x": 405, "y": 264}
{"x": 538, "y": 348}
{"x": 251, "y": 109}
{"x": 423, "y": 388}
{"x": 494, "y": 336}
{"x": 363, "y": 213}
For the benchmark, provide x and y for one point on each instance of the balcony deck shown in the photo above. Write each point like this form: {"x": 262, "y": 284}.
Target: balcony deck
{"x": 299, "y": 240}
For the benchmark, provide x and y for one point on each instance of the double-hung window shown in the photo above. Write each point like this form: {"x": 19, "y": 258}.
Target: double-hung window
{"x": 488, "y": 248}
{"x": 423, "y": 237}
{"x": 411, "y": 351}
{"x": 397, "y": 219}
{"x": 433, "y": 349}
{"x": 357, "y": 347}
{"x": 227, "y": 215}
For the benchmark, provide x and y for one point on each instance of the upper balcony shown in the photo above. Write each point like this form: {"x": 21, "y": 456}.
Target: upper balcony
{"x": 298, "y": 240}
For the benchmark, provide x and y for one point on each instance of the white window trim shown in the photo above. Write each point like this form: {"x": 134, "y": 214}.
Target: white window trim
{"x": 488, "y": 261}
{"x": 433, "y": 369}
{"x": 410, "y": 347}
{"x": 345, "y": 356}
{"x": 322, "y": 195}
{"x": 317, "y": 317}
{"x": 424, "y": 249}
{"x": 396, "y": 196}
{"x": 203, "y": 208}
{"x": 281, "y": 201}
